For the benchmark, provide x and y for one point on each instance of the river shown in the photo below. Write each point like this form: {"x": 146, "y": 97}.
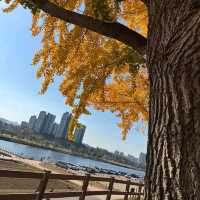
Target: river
{"x": 36, "y": 153}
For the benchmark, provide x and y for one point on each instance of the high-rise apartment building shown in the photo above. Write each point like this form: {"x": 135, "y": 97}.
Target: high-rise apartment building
{"x": 24, "y": 124}
{"x": 53, "y": 129}
{"x": 48, "y": 122}
{"x": 63, "y": 126}
{"x": 142, "y": 158}
{"x": 39, "y": 125}
{"x": 79, "y": 134}
{"x": 32, "y": 121}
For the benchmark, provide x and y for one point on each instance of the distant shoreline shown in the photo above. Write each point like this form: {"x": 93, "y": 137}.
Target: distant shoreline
{"x": 65, "y": 151}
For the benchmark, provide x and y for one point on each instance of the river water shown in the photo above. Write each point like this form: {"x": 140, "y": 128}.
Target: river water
{"x": 36, "y": 153}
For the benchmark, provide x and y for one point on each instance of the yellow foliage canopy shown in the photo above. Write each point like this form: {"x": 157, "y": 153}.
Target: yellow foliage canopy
{"x": 97, "y": 71}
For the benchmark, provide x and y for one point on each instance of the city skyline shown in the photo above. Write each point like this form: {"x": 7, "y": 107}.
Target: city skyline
{"x": 44, "y": 124}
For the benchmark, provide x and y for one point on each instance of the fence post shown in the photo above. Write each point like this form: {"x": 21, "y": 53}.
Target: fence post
{"x": 110, "y": 188}
{"x": 84, "y": 187}
{"x": 139, "y": 192}
{"x": 42, "y": 186}
{"x": 127, "y": 190}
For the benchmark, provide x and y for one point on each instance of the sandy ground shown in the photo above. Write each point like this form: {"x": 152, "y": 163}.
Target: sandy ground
{"x": 15, "y": 185}
{"x": 12, "y": 162}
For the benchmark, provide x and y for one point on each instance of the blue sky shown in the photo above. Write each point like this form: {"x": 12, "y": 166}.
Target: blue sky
{"x": 19, "y": 89}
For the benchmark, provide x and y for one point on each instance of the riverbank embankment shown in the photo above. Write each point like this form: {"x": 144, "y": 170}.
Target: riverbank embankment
{"x": 61, "y": 150}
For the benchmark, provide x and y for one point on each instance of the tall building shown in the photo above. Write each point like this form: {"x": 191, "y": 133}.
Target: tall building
{"x": 63, "y": 126}
{"x": 1, "y": 124}
{"x": 24, "y": 125}
{"x": 132, "y": 158}
{"x": 39, "y": 125}
{"x": 32, "y": 121}
{"x": 79, "y": 134}
{"x": 53, "y": 129}
{"x": 142, "y": 158}
{"x": 48, "y": 122}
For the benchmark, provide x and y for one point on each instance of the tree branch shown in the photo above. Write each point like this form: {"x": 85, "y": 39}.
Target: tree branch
{"x": 113, "y": 30}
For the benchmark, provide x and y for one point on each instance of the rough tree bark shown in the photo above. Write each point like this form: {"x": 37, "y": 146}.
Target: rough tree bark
{"x": 173, "y": 158}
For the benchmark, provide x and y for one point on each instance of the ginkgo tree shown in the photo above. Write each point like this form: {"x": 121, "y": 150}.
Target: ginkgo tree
{"x": 132, "y": 57}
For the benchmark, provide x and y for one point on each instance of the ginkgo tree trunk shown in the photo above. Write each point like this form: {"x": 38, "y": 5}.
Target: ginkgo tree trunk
{"x": 173, "y": 158}
{"x": 173, "y": 60}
